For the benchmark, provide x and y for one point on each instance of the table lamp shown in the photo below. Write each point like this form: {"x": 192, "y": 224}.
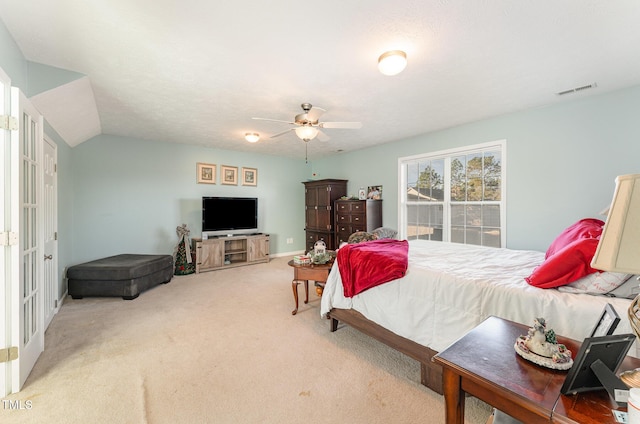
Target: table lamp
{"x": 619, "y": 247}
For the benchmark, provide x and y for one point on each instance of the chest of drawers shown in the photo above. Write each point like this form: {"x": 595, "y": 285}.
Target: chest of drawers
{"x": 356, "y": 215}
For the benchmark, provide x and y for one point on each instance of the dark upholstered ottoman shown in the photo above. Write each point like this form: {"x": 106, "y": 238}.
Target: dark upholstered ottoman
{"x": 121, "y": 275}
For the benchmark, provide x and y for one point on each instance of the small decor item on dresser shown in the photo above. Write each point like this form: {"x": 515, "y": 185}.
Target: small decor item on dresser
{"x": 375, "y": 192}
{"x": 319, "y": 254}
{"x": 320, "y": 258}
{"x": 541, "y": 347}
{"x": 302, "y": 260}
{"x": 320, "y": 247}
{"x": 362, "y": 195}
{"x": 182, "y": 254}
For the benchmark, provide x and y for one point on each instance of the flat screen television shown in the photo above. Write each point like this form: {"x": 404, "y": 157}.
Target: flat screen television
{"x": 229, "y": 215}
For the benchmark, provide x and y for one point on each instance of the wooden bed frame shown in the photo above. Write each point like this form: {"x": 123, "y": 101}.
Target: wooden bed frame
{"x": 430, "y": 372}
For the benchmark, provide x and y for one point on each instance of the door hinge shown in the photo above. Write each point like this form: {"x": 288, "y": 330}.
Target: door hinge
{"x": 8, "y": 354}
{"x": 7, "y": 238}
{"x": 55, "y": 235}
{"x": 8, "y": 122}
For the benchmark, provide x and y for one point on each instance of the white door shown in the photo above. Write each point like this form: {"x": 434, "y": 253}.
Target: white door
{"x": 9, "y": 260}
{"x": 50, "y": 229}
{"x": 25, "y": 303}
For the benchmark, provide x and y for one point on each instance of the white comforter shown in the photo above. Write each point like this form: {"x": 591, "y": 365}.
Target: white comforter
{"x": 450, "y": 288}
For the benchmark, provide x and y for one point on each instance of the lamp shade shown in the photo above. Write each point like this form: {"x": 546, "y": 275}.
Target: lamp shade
{"x": 619, "y": 246}
{"x": 306, "y": 132}
{"x": 392, "y": 62}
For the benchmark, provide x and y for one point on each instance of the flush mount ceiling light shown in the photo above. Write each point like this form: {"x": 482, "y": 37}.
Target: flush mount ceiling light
{"x": 392, "y": 62}
{"x": 306, "y": 132}
{"x": 252, "y": 137}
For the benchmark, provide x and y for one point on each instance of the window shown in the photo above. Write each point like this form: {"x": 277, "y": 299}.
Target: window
{"x": 454, "y": 195}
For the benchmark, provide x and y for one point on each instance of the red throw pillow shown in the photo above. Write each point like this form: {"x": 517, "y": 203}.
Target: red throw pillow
{"x": 585, "y": 228}
{"x": 565, "y": 266}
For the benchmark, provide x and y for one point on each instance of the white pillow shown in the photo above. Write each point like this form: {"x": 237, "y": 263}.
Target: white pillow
{"x": 629, "y": 289}
{"x": 596, "y": 283}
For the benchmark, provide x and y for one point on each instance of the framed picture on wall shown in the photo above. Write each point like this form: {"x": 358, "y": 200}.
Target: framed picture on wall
{"x": 249, "y": 176}
{"x": 206, "y": 173}
{"x": 229, "y": 174}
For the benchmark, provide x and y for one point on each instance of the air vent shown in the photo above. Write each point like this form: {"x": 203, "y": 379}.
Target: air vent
{"x": 577, "y": 89}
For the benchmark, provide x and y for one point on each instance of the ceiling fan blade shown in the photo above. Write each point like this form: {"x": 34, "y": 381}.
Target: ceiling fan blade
{"x": 348, "y": 125}
{"x": 274, "y": 120}
{"x": 323, "y": 136}
{"x": 315, "y": 113}
{"x": 282, "y": 133}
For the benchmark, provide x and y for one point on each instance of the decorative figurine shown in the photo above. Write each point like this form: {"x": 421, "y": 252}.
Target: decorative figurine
{"x": 320, "y": 247}
{"x": 319, "y": 254}
{"x": 182, "y": 254}
{"x": 541, "y": 347}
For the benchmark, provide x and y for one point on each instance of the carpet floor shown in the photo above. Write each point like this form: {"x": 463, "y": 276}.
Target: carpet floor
{"x": 219, "y": 347}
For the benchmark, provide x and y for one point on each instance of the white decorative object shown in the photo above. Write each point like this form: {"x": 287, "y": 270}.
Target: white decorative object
{"x": 319, "y": 254}
{"x": 320, "y": 247}
{"x": 541, "y": 347}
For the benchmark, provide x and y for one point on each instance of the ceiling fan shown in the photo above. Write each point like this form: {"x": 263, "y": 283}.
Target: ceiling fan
{"x": 307, "y": 125}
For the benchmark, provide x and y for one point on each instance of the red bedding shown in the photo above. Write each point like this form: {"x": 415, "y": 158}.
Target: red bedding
{"x": 369, "y": 264}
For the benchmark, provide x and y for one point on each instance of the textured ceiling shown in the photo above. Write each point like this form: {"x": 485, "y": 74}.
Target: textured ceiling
{"x": 197, "y": 71}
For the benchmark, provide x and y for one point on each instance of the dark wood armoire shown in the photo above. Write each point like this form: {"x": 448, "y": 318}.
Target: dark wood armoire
{"x": 320, "y": 196}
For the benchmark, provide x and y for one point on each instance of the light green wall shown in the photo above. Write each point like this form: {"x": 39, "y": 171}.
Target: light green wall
{"x": 12, "y": 60}
{"x": 561, "y": 162}
{"x": 130, "y": 195}
{"x": 43, "y": 77}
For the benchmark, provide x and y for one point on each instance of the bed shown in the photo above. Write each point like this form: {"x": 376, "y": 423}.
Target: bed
{"x": 450, "y": 288}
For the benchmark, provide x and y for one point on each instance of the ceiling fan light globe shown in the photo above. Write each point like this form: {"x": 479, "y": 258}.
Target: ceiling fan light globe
{"x": 252, "y": 137}
{"x": 306, "y": 132}
{"x": 392, "y": 62}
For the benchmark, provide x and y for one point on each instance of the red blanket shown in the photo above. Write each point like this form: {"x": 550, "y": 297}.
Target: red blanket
{"x": 369, "y": 264}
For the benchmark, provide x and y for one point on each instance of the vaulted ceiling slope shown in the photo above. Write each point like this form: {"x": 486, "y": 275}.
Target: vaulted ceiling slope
{"x": 197, "y": 71}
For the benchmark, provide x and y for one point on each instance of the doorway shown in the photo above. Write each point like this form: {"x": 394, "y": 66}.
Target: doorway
{"x": 50, "y": 229}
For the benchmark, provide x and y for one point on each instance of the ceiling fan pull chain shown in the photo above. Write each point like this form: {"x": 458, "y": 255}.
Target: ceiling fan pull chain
{"x": 306, "y": 145}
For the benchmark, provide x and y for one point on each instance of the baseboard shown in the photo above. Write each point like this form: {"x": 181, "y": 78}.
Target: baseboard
{"x": 61, "y": 300}
{"x": 297, "y": 252}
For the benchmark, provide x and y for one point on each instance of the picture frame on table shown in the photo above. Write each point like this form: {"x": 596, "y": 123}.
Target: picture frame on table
{"x": 607, "y": 322}
{"x": 249, "y": 177}
{"x": 205, "y": 173}
{"x": 596, "y": 365}
{"x": 374, "y": 192}
{"x": 229, "y": 175}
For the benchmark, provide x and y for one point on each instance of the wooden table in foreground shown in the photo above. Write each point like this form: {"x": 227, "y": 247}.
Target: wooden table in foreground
{"x": 484, "y": 364}
{"x": 304, "y": 273}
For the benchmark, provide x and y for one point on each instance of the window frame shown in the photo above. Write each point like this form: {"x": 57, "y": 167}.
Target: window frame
{"x": 447, "y": 155}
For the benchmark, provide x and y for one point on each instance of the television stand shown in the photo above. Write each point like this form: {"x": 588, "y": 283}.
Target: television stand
{"x": 230, "y": 251}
